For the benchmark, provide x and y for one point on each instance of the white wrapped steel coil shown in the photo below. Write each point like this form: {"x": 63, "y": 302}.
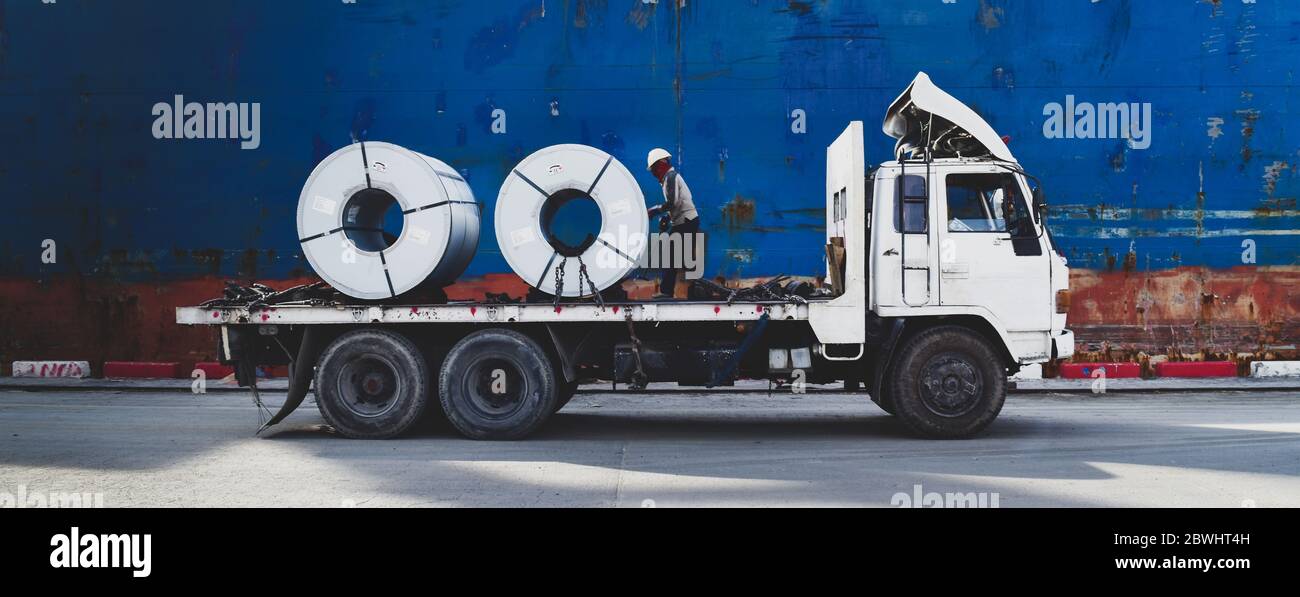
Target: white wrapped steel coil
{"x": 342, "y": 211}
{"x": 539, "y": 188}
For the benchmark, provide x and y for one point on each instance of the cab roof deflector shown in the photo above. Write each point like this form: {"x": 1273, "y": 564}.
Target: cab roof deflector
{"x": 926, "y": 113}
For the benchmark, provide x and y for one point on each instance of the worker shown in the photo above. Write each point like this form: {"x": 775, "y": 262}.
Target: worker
{"x": 680, "y": 208}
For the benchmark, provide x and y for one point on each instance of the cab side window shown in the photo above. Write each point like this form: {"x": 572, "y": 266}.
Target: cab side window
{"x": 912, "y": 205}
{"x": 991, "y": 203}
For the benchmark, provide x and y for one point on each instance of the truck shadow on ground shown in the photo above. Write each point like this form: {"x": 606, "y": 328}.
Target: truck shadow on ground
{"x": 1011, "y": 447}
{"x": 833, "y": 460}
{"x": 1037, "y": 453}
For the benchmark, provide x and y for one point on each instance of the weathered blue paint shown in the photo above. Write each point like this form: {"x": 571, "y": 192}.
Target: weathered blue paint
{"x": 714, "y": 81}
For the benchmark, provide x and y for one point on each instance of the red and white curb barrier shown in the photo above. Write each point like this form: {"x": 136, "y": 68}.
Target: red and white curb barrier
{"x": 214, "y": 370}
{"x": 1275, "y": 369}
{"x": 1196, "y": 369}
{"x": 218, "y": 371}
{"x": 1034, "y": 371}
{"x": 65, "y": 369}
{"x": 1107, "y": 370}
{"x": 134, "y": 370}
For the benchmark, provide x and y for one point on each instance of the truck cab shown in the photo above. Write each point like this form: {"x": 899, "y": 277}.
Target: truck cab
{"x": 946, "y": 246}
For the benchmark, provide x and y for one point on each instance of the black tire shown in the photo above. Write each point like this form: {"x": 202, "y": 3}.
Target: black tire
{"x": 567, "y": 391}
{"x": 886, "y": 400}
{"x": 525, "y": 400}
{"x": 948, "y": 383}
{"x": 434, "y": 354}
{"x": 372, "y": 384}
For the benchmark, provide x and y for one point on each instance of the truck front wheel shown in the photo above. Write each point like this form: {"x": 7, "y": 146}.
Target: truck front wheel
{"x": 885, "y": 401}
{"x": 498, "y": 384}
{"x": 372, "y": 384}
{"x": 948, "y": 382}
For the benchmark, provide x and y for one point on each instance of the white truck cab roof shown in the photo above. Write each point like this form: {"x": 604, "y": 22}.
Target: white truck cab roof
{"x": 957, "y": 131}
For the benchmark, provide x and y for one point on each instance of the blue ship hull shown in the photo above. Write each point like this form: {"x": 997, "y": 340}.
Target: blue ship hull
{"x": 747, "y": 95}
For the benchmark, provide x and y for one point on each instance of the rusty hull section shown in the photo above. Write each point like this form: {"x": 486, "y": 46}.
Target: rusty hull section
{"x": 1186, "y": 313}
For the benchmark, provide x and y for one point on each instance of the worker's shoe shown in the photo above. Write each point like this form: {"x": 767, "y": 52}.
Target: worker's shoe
{"x": 659, "y": 296}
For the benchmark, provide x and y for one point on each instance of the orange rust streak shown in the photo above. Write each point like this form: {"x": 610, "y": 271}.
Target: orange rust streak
{"x": 1190, "y": 309}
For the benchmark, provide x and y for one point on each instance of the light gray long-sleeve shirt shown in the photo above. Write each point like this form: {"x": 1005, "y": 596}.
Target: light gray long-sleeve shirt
{"x": 677, "y": 198}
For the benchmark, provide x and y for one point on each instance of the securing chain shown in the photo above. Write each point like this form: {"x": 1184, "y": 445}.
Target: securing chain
{"x": 639, "y": 379}
{"x": 582, "y": 274}
{"x": 559, "y": 282}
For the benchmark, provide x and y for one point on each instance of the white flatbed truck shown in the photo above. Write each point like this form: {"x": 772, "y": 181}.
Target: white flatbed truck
{"x": 950, "y": 283}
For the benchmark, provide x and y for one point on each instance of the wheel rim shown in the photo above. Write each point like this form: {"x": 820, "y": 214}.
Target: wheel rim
{"x": 495, "y": 388}
{"x": 951, "y": 385}
{"x": 370, "y": 385}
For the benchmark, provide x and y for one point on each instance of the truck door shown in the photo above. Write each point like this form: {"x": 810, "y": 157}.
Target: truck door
{"x": 843, "y": 320}
{"x": 991, "y": 254}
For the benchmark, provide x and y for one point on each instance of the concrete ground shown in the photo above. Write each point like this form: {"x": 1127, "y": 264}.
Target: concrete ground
{"x": 1221, "y": 448}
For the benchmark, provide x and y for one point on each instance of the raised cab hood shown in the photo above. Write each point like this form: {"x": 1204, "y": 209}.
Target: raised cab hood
{"x": 958, "y": 131}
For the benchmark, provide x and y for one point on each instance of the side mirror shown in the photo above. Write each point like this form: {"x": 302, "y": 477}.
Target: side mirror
{"x": 1040, "y": 206}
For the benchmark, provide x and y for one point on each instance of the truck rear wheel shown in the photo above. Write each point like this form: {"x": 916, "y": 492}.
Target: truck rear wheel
{"x": 948, "y": 382}
{"x": 372, "y": 384}
{"x": 497, "y": 384}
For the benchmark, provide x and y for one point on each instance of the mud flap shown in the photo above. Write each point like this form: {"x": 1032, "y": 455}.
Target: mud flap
{"x": 300, "y": 374}
{"x": 884, "y": 361}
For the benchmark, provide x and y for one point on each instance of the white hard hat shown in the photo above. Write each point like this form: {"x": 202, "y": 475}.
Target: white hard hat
{"x": 656, "y": 154}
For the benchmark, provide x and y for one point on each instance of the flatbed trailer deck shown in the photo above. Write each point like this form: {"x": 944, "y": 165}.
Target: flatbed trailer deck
{"x": 489, "y": 313}
{"x": 704, "y": 343}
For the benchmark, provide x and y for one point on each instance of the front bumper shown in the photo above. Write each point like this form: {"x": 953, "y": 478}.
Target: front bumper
{"x": 1063, "y": 345}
